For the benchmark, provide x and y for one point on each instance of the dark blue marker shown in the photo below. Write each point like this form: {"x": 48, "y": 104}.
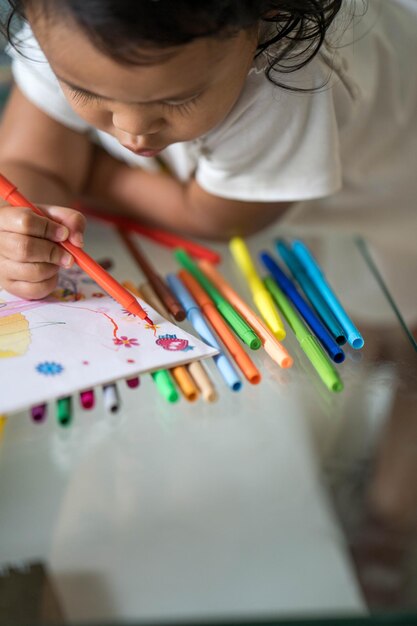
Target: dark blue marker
{"x": 329, "y": 344}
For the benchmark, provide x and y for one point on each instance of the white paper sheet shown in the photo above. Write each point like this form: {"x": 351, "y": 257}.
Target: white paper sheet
{"x": 78, "y": 338}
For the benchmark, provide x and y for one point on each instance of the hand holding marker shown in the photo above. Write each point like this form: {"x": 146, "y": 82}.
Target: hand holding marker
{"x": 10, "y": 193}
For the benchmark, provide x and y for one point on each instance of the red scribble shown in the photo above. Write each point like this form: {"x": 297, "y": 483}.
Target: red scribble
{"x": 115, "y": 329}
{"x": 115, "y": 326}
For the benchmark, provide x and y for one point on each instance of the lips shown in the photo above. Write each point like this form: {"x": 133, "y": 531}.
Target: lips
{"x": 146, "y": 152}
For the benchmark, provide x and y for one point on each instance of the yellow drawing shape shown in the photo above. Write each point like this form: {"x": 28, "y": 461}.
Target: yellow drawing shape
{"x": 14, "y": 335}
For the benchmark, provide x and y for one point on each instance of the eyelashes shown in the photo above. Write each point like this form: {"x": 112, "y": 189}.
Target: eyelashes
{"x": 84, "y": 97}
{"x": 182, "y": 107}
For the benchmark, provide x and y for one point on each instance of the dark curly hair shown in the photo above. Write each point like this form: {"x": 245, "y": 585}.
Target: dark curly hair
{"x": 296, "y": 28}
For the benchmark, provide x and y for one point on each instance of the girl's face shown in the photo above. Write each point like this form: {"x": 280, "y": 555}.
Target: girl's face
{"x": 176, "y": 94}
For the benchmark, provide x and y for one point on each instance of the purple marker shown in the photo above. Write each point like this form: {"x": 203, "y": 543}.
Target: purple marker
{"x": 39, "y": 412}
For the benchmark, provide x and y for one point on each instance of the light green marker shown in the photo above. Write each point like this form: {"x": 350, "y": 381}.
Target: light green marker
{"x": 64, "y": 411}
{"x": 165, "y": 385}
{"x": 307, "y": 341}
{"x": 241, "y": 328}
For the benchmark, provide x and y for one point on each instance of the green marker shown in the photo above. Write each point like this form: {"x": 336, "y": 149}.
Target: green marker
{"x": 64, "y": 411}
{"x": 165, "y": 385}
{"x": 241, "y": 328}
{"x": 307, "y": 341}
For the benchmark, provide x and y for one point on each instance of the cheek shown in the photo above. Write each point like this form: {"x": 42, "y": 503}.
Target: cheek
{"x": 94, "y": 115}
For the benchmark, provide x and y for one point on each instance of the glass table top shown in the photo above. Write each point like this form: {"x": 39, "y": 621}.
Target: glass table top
{"x": 280, "y": 503}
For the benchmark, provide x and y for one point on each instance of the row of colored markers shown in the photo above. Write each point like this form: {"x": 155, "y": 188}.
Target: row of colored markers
{"x": 200, "y": 294}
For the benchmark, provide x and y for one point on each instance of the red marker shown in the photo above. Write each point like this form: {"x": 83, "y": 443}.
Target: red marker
{"x": 10, "y": 193}
{"x": 163, "y": 237}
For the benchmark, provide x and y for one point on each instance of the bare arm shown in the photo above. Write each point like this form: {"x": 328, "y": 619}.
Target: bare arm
{"x": 49, "y": 163}
{"x": 161, "y": 199}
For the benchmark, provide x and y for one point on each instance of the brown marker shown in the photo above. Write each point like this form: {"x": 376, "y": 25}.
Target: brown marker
{"x": 158, "y": 284}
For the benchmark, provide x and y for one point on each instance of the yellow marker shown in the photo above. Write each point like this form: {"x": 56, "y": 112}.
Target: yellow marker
{"x": 261, "y": 297}
{"x": 3, "y": 419}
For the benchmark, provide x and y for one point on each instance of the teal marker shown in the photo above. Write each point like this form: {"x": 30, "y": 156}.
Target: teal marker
{"x": 241, "y": 328}
{"x": 313, "y": 294}
{"x": 315, "y": 272}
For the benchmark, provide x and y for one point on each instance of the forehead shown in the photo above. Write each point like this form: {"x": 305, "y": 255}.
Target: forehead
{"x": 74, "y": 58}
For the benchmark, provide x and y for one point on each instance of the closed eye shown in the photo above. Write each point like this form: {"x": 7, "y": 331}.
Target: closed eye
{"x": 183, "y": 106}
{"x": 84, "y": 97}
{"x": 81, "y": 96}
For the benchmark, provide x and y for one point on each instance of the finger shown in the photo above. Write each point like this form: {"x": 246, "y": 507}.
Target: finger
{"x": 31, "y": 291}
{"x": 27, "y": 272}
{"x": 25, "y": 249}
{"x": 71, "y": 219}
{"x": 24, "y": 221}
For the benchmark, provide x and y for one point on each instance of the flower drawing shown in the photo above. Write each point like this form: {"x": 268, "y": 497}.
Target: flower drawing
{"x": 126, "y": 342}
{"x": 173, "y": 343}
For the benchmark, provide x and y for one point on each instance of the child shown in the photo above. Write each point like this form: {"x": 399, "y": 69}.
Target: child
{"x": 253, "y": 106}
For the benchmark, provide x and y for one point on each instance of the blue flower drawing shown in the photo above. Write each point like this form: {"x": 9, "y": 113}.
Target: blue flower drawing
{"x": 49, "y": 368}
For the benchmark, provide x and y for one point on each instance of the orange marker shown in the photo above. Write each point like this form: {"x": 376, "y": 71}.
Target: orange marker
{"x": 185, "y": 382}
{"x": 10, "y": 193}
{"x": 243, "y": 361}
{"x": 272, "y": 346}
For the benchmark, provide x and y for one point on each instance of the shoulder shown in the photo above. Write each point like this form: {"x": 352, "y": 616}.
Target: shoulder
{"x": 276, "y": 144}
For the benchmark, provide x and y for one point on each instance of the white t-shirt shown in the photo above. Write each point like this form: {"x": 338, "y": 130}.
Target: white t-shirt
{"x": 348, "y": 150}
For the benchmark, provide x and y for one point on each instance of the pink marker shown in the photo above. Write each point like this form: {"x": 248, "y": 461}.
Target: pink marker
{"x": 87, "y": 399}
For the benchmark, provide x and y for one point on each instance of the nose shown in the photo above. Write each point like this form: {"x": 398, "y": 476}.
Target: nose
{"x": 131, "y": 124}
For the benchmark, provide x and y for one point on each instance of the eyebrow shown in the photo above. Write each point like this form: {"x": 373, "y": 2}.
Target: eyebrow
{"x": 181, "y": 96}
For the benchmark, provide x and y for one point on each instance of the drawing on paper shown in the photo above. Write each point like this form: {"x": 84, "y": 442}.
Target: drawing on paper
{"x": 173, "y": 343}
{"x": 54, "y": 339}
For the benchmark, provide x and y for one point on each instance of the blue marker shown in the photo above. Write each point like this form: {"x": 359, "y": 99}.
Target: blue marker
{"x": 321, "y": 332}
{"x": 313, "y": 294}
{"x": 316, "y": 274}
{"x": 196, "y": 319}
